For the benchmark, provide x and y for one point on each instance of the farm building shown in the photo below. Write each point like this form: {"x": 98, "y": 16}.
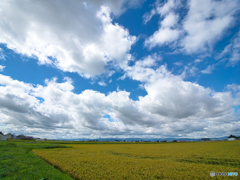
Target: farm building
{"x": 232, "y": 139}
{"x": 3, "y": 138}
{"x": 9, "y": 136}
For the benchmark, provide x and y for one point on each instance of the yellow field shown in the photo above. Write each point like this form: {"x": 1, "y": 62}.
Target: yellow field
{"x": 146, "y": 161}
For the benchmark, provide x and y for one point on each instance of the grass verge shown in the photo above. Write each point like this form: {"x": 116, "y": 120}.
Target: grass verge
{"x": 18, "y": 162}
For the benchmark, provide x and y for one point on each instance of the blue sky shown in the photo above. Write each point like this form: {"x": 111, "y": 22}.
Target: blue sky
{"x": 126, "y": 68}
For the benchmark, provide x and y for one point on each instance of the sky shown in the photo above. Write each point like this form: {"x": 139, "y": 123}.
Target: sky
{"x": 120, "y": 68}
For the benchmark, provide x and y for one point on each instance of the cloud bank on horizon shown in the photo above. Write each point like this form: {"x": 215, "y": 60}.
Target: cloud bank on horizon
{"x": 174, "y": 58}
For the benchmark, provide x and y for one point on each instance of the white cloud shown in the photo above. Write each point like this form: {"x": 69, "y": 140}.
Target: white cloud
{"x": 101, "y": 83}
{"x": 208, "y": 70}
{"x": 149, "y": 61}
{"x": 193, "y": 70}
{"x": 170, "y": 20}
{"x": 226, "y": 50}
{"x": 178, "y": 63}
{"x": 165, "y": 8}
{"x": 236, "y": 52}
{"x": 161, "y": 37}
{"x": 162, "y": 9}
{"x": 206, "y": 22}
{"x": 2, "y": 67}
{"x": 167, "y": 31}
{"x": 68, "y": 35}
{"x": 2, "y": 57}
{"x": 189, "y": 71}
{"x": 88, "y": 42}
{"x": 60, "y": 107}
{"x": 233, "y": 87}
{"x": 170, "y": 103}
{"x": 171, "y": 97}
{"x": 134, "y": 3}
{"x": 189, "y": 100}
{"x": 232, "y": 51}
{"x": 148, "y": 16}
{"x": 198, "y": 60}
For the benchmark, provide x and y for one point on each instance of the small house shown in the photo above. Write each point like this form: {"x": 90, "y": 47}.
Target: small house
{"x": 2, "y": 137}
{"x": 9, "y": 136}
{"x": 232, "y": 139}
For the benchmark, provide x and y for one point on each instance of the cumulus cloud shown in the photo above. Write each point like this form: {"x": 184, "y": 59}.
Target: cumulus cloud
{"x": 173, "y": 99}
{"x": 170, "y": 20}
{"x": 206, "y": 22}
{"x": 235, "y": 88}
{"x": 189, "y": 100}
{"x": 162, "y": 36}
{"x": 81, "y": 37}
{"x": 20, "y": 108}
{"x": 51, "y": 106}
{"x": 55, "y": 106}
{"x": 172, "y": 106}
{"x": 73, "y": 36}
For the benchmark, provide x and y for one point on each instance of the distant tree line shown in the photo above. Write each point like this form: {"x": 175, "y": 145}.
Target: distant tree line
{"x": 232, "y": 136}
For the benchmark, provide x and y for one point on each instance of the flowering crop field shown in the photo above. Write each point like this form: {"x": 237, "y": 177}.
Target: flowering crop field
{"x": 193, "y": 160}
